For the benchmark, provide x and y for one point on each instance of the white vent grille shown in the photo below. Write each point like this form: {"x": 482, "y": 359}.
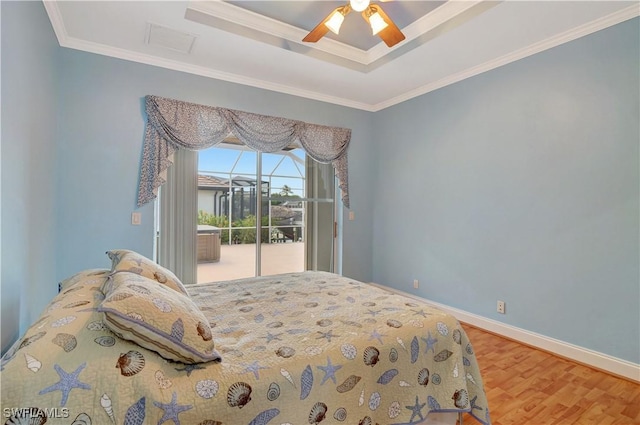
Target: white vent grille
{"x": 168, "y": 38}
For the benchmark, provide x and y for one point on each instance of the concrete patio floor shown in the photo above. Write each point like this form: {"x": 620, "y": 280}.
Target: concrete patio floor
{"x": 238, "y": 261}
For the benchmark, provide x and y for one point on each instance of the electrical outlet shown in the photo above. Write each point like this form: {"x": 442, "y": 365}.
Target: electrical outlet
{"x": 416, "y": 284}
{"x": 500, "y": 307}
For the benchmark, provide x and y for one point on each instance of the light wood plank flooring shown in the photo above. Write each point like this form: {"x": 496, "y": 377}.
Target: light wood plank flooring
{"x": 526, "y": 386}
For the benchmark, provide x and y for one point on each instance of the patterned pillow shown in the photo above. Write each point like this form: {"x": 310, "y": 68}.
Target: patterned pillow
{"x": 87, "y": 277}
{"x": 130, "y": 261}
{"x": 157, "y": 318}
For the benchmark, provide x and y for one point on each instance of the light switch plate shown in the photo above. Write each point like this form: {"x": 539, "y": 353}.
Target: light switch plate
{"x": 136, "y": 218}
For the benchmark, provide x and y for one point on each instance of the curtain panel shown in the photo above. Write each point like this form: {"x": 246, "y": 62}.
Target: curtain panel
{"x": 173, "y": 124}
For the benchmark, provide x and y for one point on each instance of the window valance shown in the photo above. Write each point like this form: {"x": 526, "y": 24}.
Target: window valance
{"x": 173, "y": 124}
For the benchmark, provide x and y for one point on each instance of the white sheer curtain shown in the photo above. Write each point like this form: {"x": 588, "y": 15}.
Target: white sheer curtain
{"x": 179, "y": 217}
{"x": 319, "y": 215}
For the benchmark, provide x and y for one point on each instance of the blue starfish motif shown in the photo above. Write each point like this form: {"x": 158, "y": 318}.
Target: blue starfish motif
{"x": 276, "y": 313}
{"x": 172, "y": 410}
{"x": 329, "y": 371}
{"x": 474, "y": 405}
{"x": 280, "y": 299}
{"x": 254, "y": 368}
{"x": 373, "y": 313}
{"x": 189, "y": 368}
{"x": 327, "y": 335}
{"x": 416, "y": 410}
{"x": 376, "y": 335}
{"x": 67, "y": 382}
{"x": 421, "y": 312}
{"x": 431, "y": 342}
{"x": 270, "y": 337}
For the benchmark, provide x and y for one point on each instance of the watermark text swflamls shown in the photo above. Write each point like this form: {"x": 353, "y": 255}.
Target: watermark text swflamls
{"x": 35, "y": 412}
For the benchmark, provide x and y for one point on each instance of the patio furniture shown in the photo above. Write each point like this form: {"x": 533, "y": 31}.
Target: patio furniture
{"x": 208, "y": 244}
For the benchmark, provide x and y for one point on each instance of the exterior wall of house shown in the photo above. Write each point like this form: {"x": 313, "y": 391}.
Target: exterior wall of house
{"x": 29, "y": 98}
{"x": 207, "y": 201}
{"x": 522, "y": 184}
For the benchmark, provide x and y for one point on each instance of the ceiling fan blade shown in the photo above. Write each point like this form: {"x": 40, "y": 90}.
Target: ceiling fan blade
{"x": 321, "y": 29}
{"x": 391, "y": 35}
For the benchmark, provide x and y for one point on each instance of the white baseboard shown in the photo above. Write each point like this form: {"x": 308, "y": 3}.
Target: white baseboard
{"x": 605, "y": 362}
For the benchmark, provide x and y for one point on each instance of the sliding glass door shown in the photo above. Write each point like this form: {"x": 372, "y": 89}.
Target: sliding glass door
{"x": 255, "y": 214}
{"x": 228, "y": 199}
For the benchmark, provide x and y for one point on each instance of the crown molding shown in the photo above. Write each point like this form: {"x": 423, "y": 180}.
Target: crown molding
{"x": 565, "y": 37}
{"x": 245, "y": 18}
{"x": 65, "y": 40}
{"x": 212, "y": 11}
{"x": 87, "y": 46}
{"x": 440, "y": 15}
{"x": 146, "y": 59}
{"x": 57, "y": 22}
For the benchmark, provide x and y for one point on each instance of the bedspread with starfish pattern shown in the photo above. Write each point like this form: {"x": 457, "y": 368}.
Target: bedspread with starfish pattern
{"x": 301, "y": 348}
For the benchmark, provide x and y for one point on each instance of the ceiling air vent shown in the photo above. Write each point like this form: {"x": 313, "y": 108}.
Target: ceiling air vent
{"x": 168, "y": 38}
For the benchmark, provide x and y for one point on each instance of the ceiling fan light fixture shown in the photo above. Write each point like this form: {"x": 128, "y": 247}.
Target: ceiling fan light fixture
{"x": 359, "y": 5}
{"x": 381, "y": 25}
{"x": 335, "y": 21}
{"x": 377, "y": 23}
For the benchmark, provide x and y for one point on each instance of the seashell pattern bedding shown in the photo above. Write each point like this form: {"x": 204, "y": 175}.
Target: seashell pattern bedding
{"x": 302, "y": 348}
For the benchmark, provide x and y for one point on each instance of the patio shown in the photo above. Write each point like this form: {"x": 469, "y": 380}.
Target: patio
{"x": 238, "y": 261}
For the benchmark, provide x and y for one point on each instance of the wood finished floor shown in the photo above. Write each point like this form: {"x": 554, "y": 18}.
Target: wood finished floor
{"x": 526, "y": 386}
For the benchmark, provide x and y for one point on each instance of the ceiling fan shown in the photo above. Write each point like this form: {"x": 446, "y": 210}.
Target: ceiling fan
{"x": 380, "y": 23}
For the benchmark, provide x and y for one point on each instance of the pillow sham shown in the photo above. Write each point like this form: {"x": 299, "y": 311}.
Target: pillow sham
{"x": 157, "y": 318}
{"x": 131, "y": 261}
{"x": 88, "y": 276}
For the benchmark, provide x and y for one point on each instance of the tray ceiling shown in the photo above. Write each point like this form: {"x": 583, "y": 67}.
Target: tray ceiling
{"x": 258, "y": 43}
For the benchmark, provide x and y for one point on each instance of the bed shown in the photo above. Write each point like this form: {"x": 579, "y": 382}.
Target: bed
{"x": 301, "y": 348}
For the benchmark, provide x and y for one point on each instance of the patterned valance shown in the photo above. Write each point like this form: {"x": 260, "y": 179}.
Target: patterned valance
{"x": 173, "y": 124}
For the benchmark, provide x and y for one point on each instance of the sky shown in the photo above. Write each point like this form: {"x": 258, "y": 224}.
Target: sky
{"x": 220, "y": 162}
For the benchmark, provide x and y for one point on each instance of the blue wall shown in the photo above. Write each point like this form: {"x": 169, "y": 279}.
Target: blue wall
{"x": 100, "y": 144}
{"x": 29, "y": 100}
{"x": 67, "y": 196}
{"x": 522, "y": 184}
